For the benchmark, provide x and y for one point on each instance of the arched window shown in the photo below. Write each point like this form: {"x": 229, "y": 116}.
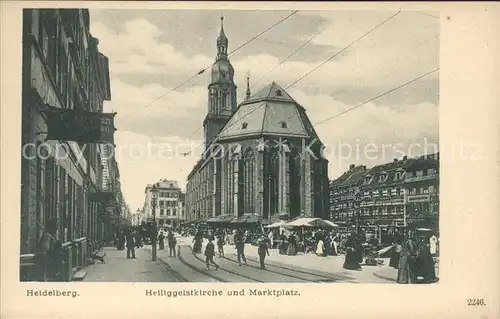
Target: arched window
{"x": 229, "y": 182}
{"x": 295, "y": 180}
{"x": 274, "y": 177}
{"x": 249, "y": 182}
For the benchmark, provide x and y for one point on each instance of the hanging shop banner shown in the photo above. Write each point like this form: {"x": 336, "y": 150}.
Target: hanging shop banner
{"x": 82, "y": 127}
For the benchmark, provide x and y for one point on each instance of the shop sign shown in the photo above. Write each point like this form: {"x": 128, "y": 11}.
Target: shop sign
{"x": 418, "y": 198}
{"x": 80, "y": 126}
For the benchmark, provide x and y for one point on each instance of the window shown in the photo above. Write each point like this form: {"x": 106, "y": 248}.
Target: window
{"x": 420, "y": 173}
{"x": 162, "y": 212}
{"x": 249, "y": 182}
{"x": 283, "y": 124}
{"x": 278, "y": 93}
{"x": 174, "y": 212}
{"x": 244, "y": 125}
{"x": 431, "y": 189}
{"x": 431, "y": 171}
{"x": 409, "y": 174}
{"x": 426, "y": 190}
{"x": 413, "y": 191}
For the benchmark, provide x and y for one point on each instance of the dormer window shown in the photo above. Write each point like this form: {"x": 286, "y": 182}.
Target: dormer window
{"x": 283, "y": 124}
{"x": 244, "y": 125}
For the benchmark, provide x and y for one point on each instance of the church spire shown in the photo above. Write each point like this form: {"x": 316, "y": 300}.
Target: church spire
{"x": 222, "y": 42}
{"x": 248, "y": 86}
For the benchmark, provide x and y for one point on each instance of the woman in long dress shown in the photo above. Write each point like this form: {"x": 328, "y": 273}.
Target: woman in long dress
{"x": 351, "y": 261}
{"x": 406, "y": 274}
{"x": 395, "y": 254}
{"x": 292, "y": 245}
{"x": 197, "y": 242}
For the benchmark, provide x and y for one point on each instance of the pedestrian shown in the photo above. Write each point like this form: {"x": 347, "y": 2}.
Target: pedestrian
{"x": 172, "y": 242}
{"x": 138, "y": 241}
{"x": 47, "y": 257}
{"x": 209, "y": 254}
{"x": 406, "y": 268}
{"x": 433, "y": 241}
{"x": 320, "y": 248}
{"x": 220, "y": 244}
{"x": 351, "y": 261}
{"x": 161, "y": 241}
{"x": 130, "y": 245}
{"x": 197, "y": 242}
{"x": 239, "y": 240}
{"x": 262, "y": 250}
{"x": 395, "y": 255}
{"x": 271, "y": 239}
{"x": 282, "y": 243}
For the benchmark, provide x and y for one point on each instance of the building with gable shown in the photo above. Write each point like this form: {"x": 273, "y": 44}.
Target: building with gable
{"x": 262, "y": 157}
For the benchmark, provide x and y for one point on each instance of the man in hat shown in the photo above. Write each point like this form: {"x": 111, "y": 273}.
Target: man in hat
{"x": 262, "y": 250}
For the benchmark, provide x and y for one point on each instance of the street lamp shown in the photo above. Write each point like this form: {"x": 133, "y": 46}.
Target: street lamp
{"x": 154, "y": 196}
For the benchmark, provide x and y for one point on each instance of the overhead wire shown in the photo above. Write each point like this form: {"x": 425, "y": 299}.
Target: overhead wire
{"x": 376, "y": 97}
{"x": 235, "y": 50}
{"x": 315, "y": 68}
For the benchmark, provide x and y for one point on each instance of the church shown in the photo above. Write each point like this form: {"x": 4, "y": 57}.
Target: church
{"x": 262, "y": 157}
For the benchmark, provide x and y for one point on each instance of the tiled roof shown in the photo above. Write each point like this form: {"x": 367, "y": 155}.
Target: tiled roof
{"x": 270, "y": 111}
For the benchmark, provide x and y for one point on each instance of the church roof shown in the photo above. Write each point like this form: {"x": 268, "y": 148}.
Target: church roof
{"x": 271, "y": 111}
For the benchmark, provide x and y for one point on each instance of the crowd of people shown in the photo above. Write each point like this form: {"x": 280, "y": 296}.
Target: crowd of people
{"x": 412, "y": 255}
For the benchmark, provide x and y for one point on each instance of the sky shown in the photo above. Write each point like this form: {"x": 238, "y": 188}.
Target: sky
{"x": 153, "y": 51}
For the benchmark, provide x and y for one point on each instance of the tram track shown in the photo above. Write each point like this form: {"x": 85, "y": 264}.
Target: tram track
{"x": 292, "y": 273}
{"x": 252, "y": 279}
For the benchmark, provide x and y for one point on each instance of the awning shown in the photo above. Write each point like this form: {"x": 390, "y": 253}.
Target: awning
{"x": 220, "y": 219}
{"x": 246, "y": 219}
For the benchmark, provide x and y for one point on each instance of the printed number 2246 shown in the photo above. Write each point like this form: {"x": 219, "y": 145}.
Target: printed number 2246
{"x": 475, "y": 302}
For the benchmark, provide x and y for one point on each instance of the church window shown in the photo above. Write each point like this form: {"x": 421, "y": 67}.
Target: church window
{"x": 283, "y": 124}
{"x": 229, "y": 184}
{"x": 249, "y": 182}
{"x": 274, "y": 172}
{"x": 244, "y": 125}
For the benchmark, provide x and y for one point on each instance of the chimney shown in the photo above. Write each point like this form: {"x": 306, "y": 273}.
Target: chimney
{"x": 351, "y": 166}
{"x": 395, "y": 160}
{"x": 405, "y": 158}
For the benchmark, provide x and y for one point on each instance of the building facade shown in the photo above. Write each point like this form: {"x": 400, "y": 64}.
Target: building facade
{"x": 169, "y": 204}
{"x": 422, "y": 185}
{"x": 264, "y": 161}
{"x": 344, "y": 192}
{"x": 62, "y": 68}
{"x": 382, "y": 195}
{"x": 404, "y": 192}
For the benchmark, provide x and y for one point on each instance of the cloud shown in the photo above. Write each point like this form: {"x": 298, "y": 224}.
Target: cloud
{"x": 136, "y": 48}
{"x": 371, "y": 134}
{"x": 176, "y": 113}
{"x": 144, "y": 160}
{"x": 149, "y": 57}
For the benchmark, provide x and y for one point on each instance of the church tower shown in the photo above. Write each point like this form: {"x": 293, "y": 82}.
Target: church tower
{"x": 221, "y": 90}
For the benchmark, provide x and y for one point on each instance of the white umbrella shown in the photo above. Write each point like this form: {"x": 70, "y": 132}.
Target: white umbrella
{"x": 310, "y": 222}
{"x": 276, "y": 224}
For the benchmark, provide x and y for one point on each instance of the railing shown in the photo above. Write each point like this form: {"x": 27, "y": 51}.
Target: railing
{"x": 73, "y": 256}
